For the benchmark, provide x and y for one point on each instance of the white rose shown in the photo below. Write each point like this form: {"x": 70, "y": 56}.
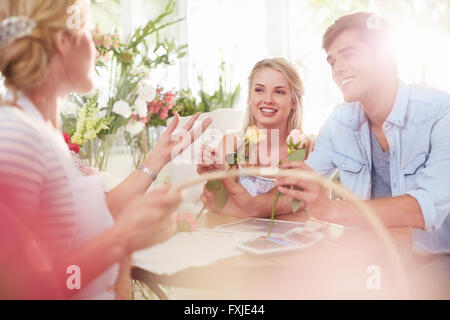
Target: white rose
{"x": 69, "y": 108}
{"x": 298, "y": 139}
{"x": 135, "y": 127}
{"x": 122, "y": 108}
{"x": 147, "y": 93}
{"x": 140, "y": 106}
{"x": 101, "y": 114}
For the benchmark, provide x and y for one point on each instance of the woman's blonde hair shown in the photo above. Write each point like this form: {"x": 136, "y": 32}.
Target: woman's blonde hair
{"x": 24, "y": 61}
{"x": 289, "y": 71}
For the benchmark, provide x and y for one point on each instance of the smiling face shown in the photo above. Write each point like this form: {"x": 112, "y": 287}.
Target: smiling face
{"x": 271, "y": 99}
{"x": 357, "y": 69}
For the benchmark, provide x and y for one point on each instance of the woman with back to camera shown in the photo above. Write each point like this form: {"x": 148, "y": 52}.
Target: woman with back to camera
{"x": 65, "y": 212}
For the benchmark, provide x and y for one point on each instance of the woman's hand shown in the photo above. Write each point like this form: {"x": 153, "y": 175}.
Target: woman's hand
{"x": 149, "y": 219}
{"x": 314, "y": 195}
{"x": 232, "y": 208}
{"x": 171, "y": 145}
{"x": 210, "y": 161}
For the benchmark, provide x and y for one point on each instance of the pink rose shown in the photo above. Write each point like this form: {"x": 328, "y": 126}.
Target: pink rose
{"x": 297, "y": 139}
{"x": 164, "y": 113}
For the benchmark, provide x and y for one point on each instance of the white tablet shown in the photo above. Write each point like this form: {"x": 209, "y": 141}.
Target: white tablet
{"x": 296, "y": 239}
{"x": 261, "y": 227}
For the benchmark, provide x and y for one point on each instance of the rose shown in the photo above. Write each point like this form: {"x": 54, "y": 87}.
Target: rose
{"x": 297, "y": 140}
{"x": 135, "y": 127}
{"x": 74, "y": 147}
{"x": 169, "y": 99}
{"x": 146, "y": 93}
{"x": 164, "y": 114}
{"x": 122, "y": 109}
{"x": 253, "y": 135}
{"x": 141, "y": 107}
{"x": 67, "y": 138}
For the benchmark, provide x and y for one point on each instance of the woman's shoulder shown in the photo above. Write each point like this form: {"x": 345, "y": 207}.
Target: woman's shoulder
{"x": 17, "y": 130}
{"x": 16, "y": 118}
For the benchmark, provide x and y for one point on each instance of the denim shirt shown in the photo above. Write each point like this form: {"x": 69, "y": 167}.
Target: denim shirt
{"x": 418, "y": 132}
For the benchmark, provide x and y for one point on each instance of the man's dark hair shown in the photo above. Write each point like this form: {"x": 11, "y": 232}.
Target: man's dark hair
{"x": 373, "y": 28}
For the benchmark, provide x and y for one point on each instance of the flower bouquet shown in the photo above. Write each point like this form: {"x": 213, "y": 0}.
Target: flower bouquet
{"x": 123, "y": 102}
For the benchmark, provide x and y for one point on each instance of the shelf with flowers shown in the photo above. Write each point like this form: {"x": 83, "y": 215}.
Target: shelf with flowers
{"x": 118, "y": 112}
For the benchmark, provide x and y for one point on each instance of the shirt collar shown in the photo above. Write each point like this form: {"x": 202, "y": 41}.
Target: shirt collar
{"x": 396, "y": 117}
{"x": 398, "y": 113}
{"x": 27, "y": 106}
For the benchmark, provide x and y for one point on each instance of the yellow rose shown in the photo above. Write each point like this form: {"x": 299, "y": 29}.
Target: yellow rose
{"x": 253, "y": 135}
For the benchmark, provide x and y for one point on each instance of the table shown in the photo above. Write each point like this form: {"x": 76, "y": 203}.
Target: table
{"x": 346, "y": 264}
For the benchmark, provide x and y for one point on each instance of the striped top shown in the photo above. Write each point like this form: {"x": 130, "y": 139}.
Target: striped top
{"x": 33, "y": 182}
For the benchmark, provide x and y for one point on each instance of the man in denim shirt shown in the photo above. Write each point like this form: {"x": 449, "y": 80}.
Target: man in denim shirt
{"x": 405, "y": 128}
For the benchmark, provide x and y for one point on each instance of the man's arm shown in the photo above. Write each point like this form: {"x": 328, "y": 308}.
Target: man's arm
{"x": 432, "y": 190}
{"x": 401, "y": 211}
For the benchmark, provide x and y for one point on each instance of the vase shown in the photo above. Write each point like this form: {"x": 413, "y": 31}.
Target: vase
{"x": 154, "y": 133}
{"x": 96, "y": 153}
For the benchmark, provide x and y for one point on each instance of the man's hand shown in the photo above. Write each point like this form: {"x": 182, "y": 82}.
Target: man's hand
{"x": 314, "y": 195}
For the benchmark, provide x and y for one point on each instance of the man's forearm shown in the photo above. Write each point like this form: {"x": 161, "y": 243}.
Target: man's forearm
{"x": 403, "y": 211}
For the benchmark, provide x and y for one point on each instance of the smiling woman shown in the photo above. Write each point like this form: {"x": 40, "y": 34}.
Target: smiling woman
{"x": 275, "y": 105}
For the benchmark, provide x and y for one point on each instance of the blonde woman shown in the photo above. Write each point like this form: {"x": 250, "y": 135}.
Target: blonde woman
{"x": 46, "y": 52}
{"x": 275, "y": 105}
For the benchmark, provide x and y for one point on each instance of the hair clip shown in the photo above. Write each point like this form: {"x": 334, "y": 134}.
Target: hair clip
{"x": 14, "y": 28}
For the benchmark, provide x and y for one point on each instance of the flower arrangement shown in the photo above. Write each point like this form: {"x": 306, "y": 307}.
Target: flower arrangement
{"x": 161, "y": 106}
{"x": 132, "y": 110}
{"x": 125, "y": 64}
{"x": 151, "y": 110}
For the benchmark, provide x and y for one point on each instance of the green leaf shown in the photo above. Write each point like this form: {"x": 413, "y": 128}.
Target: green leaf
{"x": 296, "y": 204}
{"x": 297, "y": 155}
{"x": 231, "y": 159}
{"x": 272, "y": 218}
{"x": 221, "y": 197}
{"x": 214, "y": 185}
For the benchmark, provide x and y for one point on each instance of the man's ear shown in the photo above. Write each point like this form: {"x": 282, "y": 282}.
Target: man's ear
{"x": 62, "y": 42}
